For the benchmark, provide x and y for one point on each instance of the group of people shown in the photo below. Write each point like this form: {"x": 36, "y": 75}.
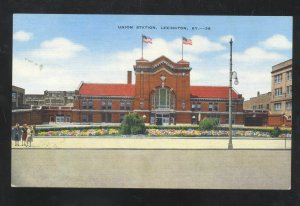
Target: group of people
{"x": 23, "y": 133}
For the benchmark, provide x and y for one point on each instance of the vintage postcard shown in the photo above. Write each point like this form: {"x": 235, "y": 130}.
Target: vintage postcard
{"x": 152, "y": 101}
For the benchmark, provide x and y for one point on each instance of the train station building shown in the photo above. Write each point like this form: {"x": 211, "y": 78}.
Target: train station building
{"x": 162, "y": 94}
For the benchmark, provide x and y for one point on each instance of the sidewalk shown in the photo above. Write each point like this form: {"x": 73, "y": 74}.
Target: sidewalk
{"x": 152, "y": 143}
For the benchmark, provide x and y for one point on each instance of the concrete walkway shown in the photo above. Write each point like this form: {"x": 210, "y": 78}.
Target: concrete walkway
{"x": 154, "y": 143}
{"x": 127, "y": 168}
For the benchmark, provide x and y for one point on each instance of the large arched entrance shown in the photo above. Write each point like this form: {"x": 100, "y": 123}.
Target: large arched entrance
{"x": 162, "y": 106}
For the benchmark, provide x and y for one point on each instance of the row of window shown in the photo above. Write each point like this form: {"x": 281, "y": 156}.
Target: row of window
{"x": 288, "y": 106}
{"x": 212, "y": 106}
{"x": 106, "y": 104}
{"x": 260, "y": 106}
{"x": 105, "y": 117}
{"x": 278, "y": 77}
{"x": 278, "y": 91}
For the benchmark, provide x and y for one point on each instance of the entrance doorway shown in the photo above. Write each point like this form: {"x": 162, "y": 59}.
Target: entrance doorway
{"x": 162, "y": 119}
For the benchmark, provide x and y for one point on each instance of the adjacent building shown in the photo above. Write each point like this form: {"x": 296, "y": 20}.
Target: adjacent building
{"x": 256, "y": 109}
{"x": 34, "y": 99}
{"x": 281, "y": 100}
{"x": 260, "y": 103}
{"x": 17, "y": 97}
{"x": 50, "y": 98}
{"x": 162, "y": 94}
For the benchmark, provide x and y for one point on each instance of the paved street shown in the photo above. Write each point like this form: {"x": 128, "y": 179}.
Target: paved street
{"x": 150, "y": 168}
{"x": 158, "y": 143}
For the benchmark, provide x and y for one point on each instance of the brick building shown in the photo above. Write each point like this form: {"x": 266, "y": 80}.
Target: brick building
{"x": 260, "y": 102}
{"x": 50, "y": 98}
{"x": 17, "y": 97}
{"x": 162, "y": 94}
{"x": 281, "y": 100}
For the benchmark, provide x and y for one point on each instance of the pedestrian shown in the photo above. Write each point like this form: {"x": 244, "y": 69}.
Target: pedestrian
{"x": 24, "y": 134}
{"x": 17, "y": 134}
{"x": 29, "y": 135}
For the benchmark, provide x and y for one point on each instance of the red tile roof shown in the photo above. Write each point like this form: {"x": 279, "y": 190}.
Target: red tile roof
{"x": 90, "y": 89}
{"x": 211, "y": 92}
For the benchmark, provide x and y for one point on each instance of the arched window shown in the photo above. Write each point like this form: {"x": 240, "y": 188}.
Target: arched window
{"x": 163, "y": 98}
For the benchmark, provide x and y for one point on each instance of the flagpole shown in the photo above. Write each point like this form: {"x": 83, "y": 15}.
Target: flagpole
{"x": 182, "y": 49}
{"x": 142, "y": 47}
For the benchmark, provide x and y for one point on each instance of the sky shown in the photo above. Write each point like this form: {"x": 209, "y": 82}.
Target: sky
{"x": 58, "y": 51}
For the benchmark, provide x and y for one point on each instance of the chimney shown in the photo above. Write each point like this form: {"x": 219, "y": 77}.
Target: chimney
{"x": 129, "y": 77}
{"x": 258, "y": 93}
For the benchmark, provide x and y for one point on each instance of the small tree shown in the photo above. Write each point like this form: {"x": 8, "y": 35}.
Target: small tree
{"x": 133, "y": 124}
{"x": 208, "y": 123}
{"x": 276, "y": 132}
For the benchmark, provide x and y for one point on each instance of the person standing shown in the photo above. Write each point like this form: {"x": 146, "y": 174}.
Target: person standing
{"x": 29, "y": 136}
{"x": 17, "y": 133}
{"x": 24, "y": 134}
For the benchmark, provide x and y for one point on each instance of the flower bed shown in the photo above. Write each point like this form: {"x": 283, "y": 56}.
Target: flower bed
{"x": 160, "y": 132}
{"x": 218, "y": 133}
{"x": 77, "y": 132}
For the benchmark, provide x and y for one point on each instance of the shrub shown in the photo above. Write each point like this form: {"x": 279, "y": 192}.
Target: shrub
{"x": 133, "y": 124}
{"x": 209, "y": 124}
{"x": 276, "y": 132}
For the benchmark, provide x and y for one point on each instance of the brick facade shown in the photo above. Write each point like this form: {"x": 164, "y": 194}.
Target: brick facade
{"x": 278, "y": 120}
{"x": 162, "y": 94}
{"x": 260, "y": 102}
{"x": 27, "y": 116}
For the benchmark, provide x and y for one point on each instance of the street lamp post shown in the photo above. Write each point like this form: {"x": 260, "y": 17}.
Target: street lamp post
{"x": 232, "y": 74}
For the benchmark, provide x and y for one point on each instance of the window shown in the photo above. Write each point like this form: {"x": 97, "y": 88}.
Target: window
{"x": 84, "y": 104}
{"x": 84, "y": 118}
{"x": 109, "y": 104}
{"x": 234, "y": 106}
{"x": 128, "y": 105}
{"x": 278, "y": 78}
{"x": 289, "y": 75}
{"x": 103, "y": 104}
{"x": 199, "y": 106}
{"x": 122, "y": 117}
{"x": 268, "y": 106}
{"x": 60, "y": 119}
{"x": 183, "y": 105}
{"x": 68, "y": 119}
{"x": 142, "y": 104}
{"x": 122, "y": 104}
{"x": 289, "y": 90}
{"x": 278, "y": 92}
{"x": 254, "y": 107}
{"x": 103, "y": 117}
{"x": 91, "y": 104}
{"x": 277, "y": 106}
{"x": 14, "y": 96}
{"x": 108, "y": 117}
{"x": 172, "y": 101}
{"x": 193, "y": 106}
{"x": 210, "y": 107}
{"x": 216, "y": 107}
{"x": 163, "y": 98}
{"x": 90, "y": 117}
{"x": 288, "y": 105}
